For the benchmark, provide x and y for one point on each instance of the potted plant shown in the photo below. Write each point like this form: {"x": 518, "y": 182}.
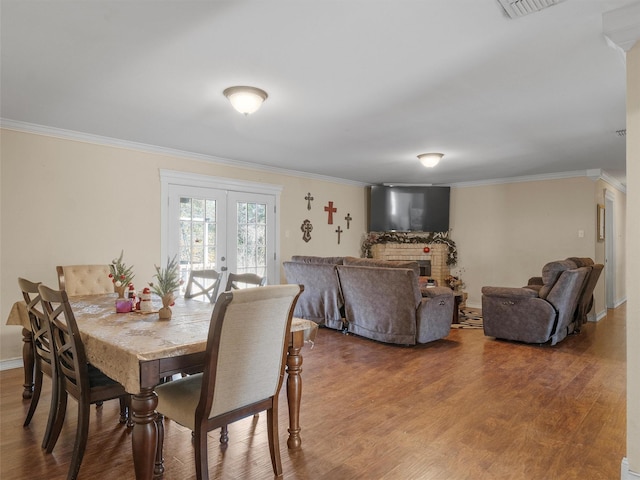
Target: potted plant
{"x": 120, "y": 275}
{"x": 168, "y": 281}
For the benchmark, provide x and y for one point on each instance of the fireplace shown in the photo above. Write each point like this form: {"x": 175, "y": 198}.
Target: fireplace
{"x": 433, "y": 263}
{"x": 425, "y": 268}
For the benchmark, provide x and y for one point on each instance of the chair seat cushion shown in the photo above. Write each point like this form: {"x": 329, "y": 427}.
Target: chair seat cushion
{"x": 178, "y": 399}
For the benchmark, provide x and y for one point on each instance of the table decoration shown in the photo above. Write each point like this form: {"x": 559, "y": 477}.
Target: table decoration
{"x": 120, "y": 275}
{"x": 168, "y": 281}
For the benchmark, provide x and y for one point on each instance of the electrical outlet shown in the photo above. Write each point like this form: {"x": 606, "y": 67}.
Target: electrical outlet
{"x": 580, "y": 233}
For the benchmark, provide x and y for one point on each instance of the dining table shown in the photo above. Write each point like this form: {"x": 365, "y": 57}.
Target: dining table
{"x": 140, "y": 350}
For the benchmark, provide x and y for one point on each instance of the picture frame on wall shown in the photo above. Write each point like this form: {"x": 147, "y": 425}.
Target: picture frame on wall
{"x": 600, "y": 222}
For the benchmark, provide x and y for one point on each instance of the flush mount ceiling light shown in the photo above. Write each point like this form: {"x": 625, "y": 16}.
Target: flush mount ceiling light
{"x": 245, "y": 99}
{"x": 430, "y": 159}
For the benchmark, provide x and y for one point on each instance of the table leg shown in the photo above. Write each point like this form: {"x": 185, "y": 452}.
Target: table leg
{"x": 144, "y": 438}
{"x": 28, "y": 362}
{"x": 294, "y": 388}
{"x": 456, "y": 308}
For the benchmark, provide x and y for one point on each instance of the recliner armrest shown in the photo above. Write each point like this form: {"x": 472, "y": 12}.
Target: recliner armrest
{"x": 509, "y": 292}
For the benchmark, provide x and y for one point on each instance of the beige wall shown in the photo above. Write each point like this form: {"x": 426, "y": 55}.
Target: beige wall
{"x": 633, "y": 258}
{"x": 68, "y": 202}
{"x": 506, "y": 233}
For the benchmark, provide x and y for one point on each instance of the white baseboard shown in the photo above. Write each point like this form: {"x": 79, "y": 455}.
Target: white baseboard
{"x": 11, "y": 363}
{"x": 619, "y": 302}
{"x": 625, "y": 473}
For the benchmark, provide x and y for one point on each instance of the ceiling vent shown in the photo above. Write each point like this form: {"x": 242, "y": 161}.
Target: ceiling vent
{"x": 520, "y": 8}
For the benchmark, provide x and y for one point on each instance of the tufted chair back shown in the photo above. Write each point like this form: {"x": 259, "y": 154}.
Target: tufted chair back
{"x": 84, "y": 279}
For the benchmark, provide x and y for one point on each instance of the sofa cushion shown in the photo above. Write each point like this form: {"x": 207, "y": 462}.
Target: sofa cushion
{"x": 374, "y": 262}
{"x": 581, "y": 261}
{"x": 550, "y": 273}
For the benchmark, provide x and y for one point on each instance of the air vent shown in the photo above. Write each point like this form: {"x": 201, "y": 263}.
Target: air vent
{"x": 622, "y": 133}
{"x": 520, "y": 8}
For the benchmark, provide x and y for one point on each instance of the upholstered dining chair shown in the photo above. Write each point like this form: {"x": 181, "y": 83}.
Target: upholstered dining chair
{"x": 84, "y": 279}
{"x": 197, "y": 284}
{"x": 243, "y": 370}
{"x": 234, "y": 280}
{"x": 44, "y": 361}
{"x": 76, "y": 377}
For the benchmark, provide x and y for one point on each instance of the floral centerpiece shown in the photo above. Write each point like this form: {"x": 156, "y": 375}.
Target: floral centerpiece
{"x": 168, "y": 281}
{"x": 120, "y": 275}
{"x": 454, "y": 282}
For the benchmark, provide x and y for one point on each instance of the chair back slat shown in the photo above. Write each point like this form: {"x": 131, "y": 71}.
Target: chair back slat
{"x": 205, "y": 283}
{"x": 246, "y": 347}
{"x": 37, "y": 320}
{"x": 234, "y": 280}
{"x": 68, "y": 346}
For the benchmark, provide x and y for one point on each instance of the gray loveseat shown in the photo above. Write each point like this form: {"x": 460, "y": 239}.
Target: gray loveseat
{"x": 379, "y": 300}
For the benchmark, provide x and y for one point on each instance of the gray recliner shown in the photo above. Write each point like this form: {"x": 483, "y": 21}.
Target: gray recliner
{"x": 586, "y": 299}
{"x": 536, "y": 315}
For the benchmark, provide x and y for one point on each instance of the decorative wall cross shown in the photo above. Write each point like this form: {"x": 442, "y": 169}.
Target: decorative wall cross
{"x": 306, "y": 228}
{"x": 339, "y": 231}
{"x": 348, "y": 219}
{"x": 329, "y": 209}
{"x": 308, "y": 198}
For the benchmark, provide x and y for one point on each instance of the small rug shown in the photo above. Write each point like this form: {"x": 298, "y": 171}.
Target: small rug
{"x": 469, "y": 318}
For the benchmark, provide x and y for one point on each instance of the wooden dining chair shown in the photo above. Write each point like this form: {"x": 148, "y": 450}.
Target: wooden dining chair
{"x": 76, "y": 377}
{"x": 205, "y": 283}
{"x": 84, "y": 279}
{"x": 234, "y": 280}
{"x": 44, "y": 361}
{"x": 243, "y": 370}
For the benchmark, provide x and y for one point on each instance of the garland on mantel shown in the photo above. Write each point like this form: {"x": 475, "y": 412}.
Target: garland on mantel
{"x": 375, "y": 238}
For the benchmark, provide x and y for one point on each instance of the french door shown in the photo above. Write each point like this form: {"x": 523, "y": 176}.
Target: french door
{"x": 221, "y": 229}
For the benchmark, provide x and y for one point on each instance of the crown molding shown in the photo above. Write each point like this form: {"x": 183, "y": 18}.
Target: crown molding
{"x": 621, "y": 27}
{"x": 143, "y": 147}
{"x": 593, "y": 174}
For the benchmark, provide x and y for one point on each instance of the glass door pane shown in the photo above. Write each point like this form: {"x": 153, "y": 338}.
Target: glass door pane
{"x": 251, "y": 242}
{"x": 252, "y": 238}
{"x": 200, "y": 218}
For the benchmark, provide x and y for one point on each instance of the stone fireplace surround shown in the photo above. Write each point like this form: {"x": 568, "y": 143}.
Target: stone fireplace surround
{"x": 437, "y": 255}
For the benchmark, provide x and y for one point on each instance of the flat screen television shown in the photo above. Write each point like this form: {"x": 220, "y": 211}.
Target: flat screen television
{"x": 409, "y": 209}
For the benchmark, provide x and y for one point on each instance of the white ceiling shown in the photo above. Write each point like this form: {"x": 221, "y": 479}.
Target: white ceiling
{"x": 356, "y": 88}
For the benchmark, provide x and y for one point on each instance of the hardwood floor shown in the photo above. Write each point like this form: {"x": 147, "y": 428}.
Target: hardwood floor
{"x": 467, "y": 407}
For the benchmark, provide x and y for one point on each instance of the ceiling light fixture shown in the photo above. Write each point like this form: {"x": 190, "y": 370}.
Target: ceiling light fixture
{"x": 245, "y": 99}
{"x": 430, "y": 159}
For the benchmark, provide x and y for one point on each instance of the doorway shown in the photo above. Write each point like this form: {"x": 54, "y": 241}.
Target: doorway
{"x": 220, "y": 224}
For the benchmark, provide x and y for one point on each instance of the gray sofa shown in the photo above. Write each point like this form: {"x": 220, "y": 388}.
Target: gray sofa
{"x": 380, "y": 300}
{"x": 321, "y": 300}
{"x": 545, "y": 313}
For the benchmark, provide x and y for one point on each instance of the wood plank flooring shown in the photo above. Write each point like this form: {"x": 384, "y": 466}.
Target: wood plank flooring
{"x": 467, "y": 407}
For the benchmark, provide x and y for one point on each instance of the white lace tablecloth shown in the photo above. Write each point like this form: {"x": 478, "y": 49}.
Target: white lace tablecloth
{"x": 116, "y": 343}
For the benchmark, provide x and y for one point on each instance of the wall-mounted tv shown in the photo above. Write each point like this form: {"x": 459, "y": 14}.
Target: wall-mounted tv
{"x": 409, "y": 209}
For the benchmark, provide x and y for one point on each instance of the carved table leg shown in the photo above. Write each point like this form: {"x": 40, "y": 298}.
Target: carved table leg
{"x": 294, "y": 388}
{"x": 28, "y": 362}
{"x": 159, "y": 465}
{"x": 144, "y": 438}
